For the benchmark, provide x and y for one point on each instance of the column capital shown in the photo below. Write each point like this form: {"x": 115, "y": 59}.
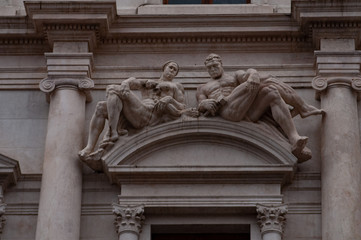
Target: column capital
{"x": 337, "y": 65}
{"x": 321, "y": 83}
{"x": 68, "y": 68}
{"x": 49, "y": 84}
{"x": 128, "y": 218}
{"x": 271, "y": 218}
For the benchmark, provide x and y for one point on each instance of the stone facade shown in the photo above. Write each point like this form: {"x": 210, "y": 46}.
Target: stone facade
{"x": 196, "y": 174}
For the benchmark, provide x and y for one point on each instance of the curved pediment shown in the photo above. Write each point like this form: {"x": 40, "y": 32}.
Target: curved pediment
{"x": 201, "y": 147}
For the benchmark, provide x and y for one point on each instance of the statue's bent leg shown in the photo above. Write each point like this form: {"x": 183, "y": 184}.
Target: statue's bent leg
{"x": 270, "y": 97}
{"x": 238, "y": 102}
{"x": 138, "y": 113}
{"x": 114, "y": 108}
{"x": 96, "y": 126}
{"x": 290, "y": 96}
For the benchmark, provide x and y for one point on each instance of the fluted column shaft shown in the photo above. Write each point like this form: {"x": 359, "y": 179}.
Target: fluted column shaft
{"x": 61, "y": 188}
{"x": 338, "y": 83}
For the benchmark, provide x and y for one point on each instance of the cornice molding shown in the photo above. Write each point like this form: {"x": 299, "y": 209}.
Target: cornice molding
{"x": 98, "y": 23}
{"x": 328, "y": 19}
{"x": 181, "y": 201}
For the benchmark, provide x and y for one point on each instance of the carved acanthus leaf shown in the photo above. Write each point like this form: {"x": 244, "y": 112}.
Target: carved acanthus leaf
{"x": 271, "y": 218}
{"x": 128, "y": 218}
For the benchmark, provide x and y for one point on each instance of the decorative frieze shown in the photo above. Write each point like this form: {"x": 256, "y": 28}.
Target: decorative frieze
{"x": 213, "y": 39}
{"x": 271, "y": 218}
{"x": 128, "y": 218}
{"x": 22, "y": 41}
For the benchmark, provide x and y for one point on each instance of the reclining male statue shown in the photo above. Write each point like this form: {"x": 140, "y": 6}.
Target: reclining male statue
{"x": 243, "y": 95}
{"x": 162, "y": 101}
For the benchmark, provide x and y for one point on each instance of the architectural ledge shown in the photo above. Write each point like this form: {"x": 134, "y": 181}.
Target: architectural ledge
{"x": 200, "y": 201}
{"x": 198, "y": 9}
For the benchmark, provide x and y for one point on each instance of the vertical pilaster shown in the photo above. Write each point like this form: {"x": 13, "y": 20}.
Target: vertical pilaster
{"x": 338, "y": 83}
{"x": 271, "y": 220}
{"x": 61, "y": 188}
{"x": 128, "y": 221}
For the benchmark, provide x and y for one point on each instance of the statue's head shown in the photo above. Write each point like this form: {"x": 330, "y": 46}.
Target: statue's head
{"x": 173, "y": 63}
{"x": 214, "y": 65}
{"x": 213, "y": 58}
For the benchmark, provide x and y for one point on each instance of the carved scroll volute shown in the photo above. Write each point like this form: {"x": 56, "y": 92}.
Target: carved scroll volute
{"x": 49, "y": 84}
{"x": 271, "y": 218}
{"x": 128, "y": 219}
{"x": 320, "y": 84}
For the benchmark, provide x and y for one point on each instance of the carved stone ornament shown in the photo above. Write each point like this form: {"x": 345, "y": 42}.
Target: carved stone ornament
{"x": 128, "y": 218}
{"x": 271, "y": 218}
{"x": 320, "y": 83}
{"x": 234, "y": 97}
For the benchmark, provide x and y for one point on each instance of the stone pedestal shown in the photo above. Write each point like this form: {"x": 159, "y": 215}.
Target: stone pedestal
{"x": 337, "y": 83}
{"x": 271, "y": 220}
{"x": 128, "y": 221}
{"x": 61, "y": 189}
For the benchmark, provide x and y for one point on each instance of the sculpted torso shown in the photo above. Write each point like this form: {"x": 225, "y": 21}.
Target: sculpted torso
{"x": 156, "y": 90}
{"x": 220, "y": 87}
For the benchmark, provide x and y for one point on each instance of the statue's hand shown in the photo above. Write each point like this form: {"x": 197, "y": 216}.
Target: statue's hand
{"x": 252, "y": 86}
{"x": 209, "y": 106}
{"x": 124, "y": 89}
{"x": 150, "y": 84}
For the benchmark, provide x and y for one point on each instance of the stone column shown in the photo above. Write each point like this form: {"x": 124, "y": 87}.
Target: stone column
{"x": 61, "y": 187}
{"x": 128, "y": 221}
{"x": 271, "y": 220}
{"x": 338, "y": 83}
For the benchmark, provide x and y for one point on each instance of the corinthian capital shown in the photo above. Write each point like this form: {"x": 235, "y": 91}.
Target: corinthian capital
{"x": 128, "y": 218}
{"x": 271, "y": 218}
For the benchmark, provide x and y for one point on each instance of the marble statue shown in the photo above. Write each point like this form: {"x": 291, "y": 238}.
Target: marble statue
{"x": 162, "y": 100}
{"x": 245, "y": 96}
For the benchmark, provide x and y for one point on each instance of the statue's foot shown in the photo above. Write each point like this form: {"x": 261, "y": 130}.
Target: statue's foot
{"x": 304, "y": 155}
{"x": 113, "y": 136}
{"x": 311, "y": 110}
{"x": 84, "y": 153}
{"x": 93, "y": 160}
{"x": 122, "y": 132}
{"x": 299, "y": 145}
